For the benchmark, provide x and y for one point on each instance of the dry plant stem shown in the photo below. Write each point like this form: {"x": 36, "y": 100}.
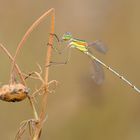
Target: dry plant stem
{"x": 20, "y": 45}
{"x": 40, "y": 120}
{"x": 47, "y": 62}
{"x": 21, "y": 77}
{"x": 26, "y": 35}
{"x": 16, "y": 66}
{"x": 45, "y": 95}
{"x": 33, "y": 108}
{"x": 18, "y": 71}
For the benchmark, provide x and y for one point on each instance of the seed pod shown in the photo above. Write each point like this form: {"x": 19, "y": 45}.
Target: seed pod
{"x": 13, "y": 92}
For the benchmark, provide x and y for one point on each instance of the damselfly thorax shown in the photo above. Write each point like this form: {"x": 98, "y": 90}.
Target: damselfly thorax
{"x": 81, "y": 45}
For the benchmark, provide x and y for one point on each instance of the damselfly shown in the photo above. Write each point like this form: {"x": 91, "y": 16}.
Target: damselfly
{"x": 84, "y": 47}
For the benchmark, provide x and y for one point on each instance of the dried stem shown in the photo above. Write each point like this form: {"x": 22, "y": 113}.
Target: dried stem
{"x": 16, "y": 66}
{"x": 40, "y": 120}
{"x": 42, "y": 115}
{"x": 26, "y": 35}
{"x": 21, "y": 77}
{"x": 47, "y": 62}
{"x": 33, "y": 108}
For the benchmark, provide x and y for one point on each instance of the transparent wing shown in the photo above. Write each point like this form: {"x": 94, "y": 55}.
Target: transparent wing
{"x": 99, "y": 46}
{"x": 97, "y": 73}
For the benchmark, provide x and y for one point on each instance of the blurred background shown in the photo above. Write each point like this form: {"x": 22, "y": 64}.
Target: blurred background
{"x": 79, "y": 109}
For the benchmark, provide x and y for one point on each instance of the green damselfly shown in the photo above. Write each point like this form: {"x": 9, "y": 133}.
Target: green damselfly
{"x": 84, "y": 47}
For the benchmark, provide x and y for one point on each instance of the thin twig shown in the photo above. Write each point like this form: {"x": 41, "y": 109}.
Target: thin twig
{"x": 16, "y": 66}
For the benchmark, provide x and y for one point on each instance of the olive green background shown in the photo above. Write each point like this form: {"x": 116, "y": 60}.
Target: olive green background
{"x": 80, "y": 109}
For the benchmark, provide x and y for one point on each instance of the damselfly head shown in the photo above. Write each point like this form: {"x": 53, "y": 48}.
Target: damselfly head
{"x": 13, "y": 92}
{"x": 67, "y": 36}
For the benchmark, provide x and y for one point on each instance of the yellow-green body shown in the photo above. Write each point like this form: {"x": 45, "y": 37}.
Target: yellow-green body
{"x": 78, "y": 44}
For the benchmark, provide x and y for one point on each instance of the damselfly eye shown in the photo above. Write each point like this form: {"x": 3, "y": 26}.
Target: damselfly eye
{"x": 68, "y": 33}
{"x": 67, "y": 36}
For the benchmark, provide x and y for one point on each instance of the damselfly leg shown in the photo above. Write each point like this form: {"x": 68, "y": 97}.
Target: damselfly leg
{"x": 54, "y": 63}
